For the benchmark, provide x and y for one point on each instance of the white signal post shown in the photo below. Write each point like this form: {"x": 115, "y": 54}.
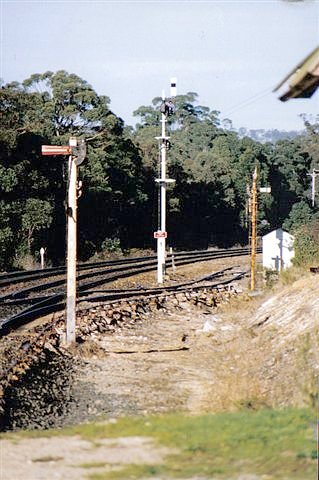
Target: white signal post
{"x": 76, "y": 157}
{"x": 161, "y": 235}
{"x": 42, "y": 251}
{"x": 72, "y": 247}
{"x": 313, "y": 176}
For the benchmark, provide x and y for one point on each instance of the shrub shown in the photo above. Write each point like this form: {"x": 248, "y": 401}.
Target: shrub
{"x": 306, "y": 244}
{"x": 111, "y": 245}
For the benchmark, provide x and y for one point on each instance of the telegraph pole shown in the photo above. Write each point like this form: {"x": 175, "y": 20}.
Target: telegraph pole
{"x": 161, "y": 234}
{"x": 253, "y": 206}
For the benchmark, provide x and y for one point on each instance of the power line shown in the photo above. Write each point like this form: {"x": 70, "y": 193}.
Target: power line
{"x": 248, "y": 101}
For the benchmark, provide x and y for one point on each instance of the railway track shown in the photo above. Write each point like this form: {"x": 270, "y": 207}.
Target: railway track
{"x": 18, "y": 307}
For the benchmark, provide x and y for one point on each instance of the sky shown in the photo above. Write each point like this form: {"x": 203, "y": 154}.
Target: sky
{"x": 232, "y": 53}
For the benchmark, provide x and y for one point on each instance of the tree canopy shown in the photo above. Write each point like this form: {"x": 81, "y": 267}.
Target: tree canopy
{"x": 212, "y": 166}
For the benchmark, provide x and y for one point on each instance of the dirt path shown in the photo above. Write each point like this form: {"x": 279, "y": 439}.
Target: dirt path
{"x": 61, "y": 458}
{"x": 171, "y": 361}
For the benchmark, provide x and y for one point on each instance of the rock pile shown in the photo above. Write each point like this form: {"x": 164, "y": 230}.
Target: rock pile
{"x": 108, "y": 317}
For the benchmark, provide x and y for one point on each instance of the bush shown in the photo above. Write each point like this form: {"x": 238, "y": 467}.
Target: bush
{"x": 111, "y": 245}
{"x": 26, "y": 262}
{"x": 306, "y": 244}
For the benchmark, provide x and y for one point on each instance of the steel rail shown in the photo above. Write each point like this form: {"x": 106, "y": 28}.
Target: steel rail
{"x": 21, "y": 276}
{"x": 84, "y": 290}
{"x": 113, "y": 274}
{"x": 56, "y": 303}
{"x": 17, "y": 277}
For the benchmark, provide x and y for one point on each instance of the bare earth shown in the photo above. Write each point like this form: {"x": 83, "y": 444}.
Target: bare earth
{"x": 261, "y": 351}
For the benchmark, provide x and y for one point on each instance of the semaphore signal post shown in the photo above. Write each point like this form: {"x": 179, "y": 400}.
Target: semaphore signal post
{"x": 253, "y": 206}
{"x": 167, "y": 108}
{"x": 76, "y": 153}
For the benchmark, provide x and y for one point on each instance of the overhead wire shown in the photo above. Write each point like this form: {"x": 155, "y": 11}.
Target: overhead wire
{"x": 248, "y": 101}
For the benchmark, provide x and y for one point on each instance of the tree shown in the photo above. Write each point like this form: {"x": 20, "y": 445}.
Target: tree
{"x": 36, "y": 216}
{"x": 69, "y": 104}
{"x": 22, "y": 173}
{"x": 300, "y": 214}
{"x": 47, "y": 109}
{"x": 211, "y": 163}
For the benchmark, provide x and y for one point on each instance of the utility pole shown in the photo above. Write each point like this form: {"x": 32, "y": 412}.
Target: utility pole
{"x": 253, "y": 206}
{"x": 313, "y": 176}
{"x": 161, "y": 235}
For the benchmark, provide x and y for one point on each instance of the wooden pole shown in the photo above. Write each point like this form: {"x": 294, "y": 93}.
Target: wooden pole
{"x": 253, "y": 232}
{"x": 71, "y": 249}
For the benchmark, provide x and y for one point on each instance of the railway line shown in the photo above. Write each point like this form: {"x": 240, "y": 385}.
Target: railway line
{"x": 20, "y": 306}
{"x": 32, "y": 359}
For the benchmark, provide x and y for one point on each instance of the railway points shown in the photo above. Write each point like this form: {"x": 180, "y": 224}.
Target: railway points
{"x": 103, "y": 274}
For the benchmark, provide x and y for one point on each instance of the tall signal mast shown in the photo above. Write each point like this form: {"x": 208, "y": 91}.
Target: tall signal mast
{"x": 167, "y": 109}
{"x": 313, "y": 176}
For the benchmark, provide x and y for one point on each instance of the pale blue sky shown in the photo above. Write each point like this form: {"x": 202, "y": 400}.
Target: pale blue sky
{"x": 229, "y": 52}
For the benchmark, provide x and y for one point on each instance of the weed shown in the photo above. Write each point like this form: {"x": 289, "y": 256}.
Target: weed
{"x": 290, "y": 275}
{"x": 307, "y": 361}
{"x": 132, "y": 472}
{"x": 254, "y": 403}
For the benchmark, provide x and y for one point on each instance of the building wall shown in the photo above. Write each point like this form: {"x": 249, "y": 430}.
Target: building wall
{"x": 278, "y": 250}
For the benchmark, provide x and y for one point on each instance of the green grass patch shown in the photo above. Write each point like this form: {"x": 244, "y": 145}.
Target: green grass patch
{"x": 280, "y": 444}
{"x": 130, "y": 472}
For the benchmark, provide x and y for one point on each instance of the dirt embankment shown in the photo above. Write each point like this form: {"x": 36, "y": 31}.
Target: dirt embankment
{"x": 249, "y": 352}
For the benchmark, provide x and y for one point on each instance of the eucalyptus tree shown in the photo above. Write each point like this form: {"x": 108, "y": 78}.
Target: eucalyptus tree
{"x": 24, "y": 175}
{"x": 49, "y": 108}
{"x": 113, "y": 182}
{"x": 201, "y": 160}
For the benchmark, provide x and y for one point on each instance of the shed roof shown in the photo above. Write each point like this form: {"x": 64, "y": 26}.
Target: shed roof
{"x": 278, "y": 232}
{"x": 303, "y": 81}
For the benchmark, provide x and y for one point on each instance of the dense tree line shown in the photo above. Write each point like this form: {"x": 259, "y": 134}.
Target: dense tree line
{"x": 212, "y": 167}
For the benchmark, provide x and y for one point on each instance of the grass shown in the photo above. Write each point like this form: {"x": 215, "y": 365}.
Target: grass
{"x": 290, "y": 275}
{"x": 279, "y": 444}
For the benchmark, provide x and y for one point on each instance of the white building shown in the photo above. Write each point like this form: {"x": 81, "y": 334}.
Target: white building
{"x": 278, "y": 250}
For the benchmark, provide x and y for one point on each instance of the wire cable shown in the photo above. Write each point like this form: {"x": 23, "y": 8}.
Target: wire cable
{"x": 248, "y": 101}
